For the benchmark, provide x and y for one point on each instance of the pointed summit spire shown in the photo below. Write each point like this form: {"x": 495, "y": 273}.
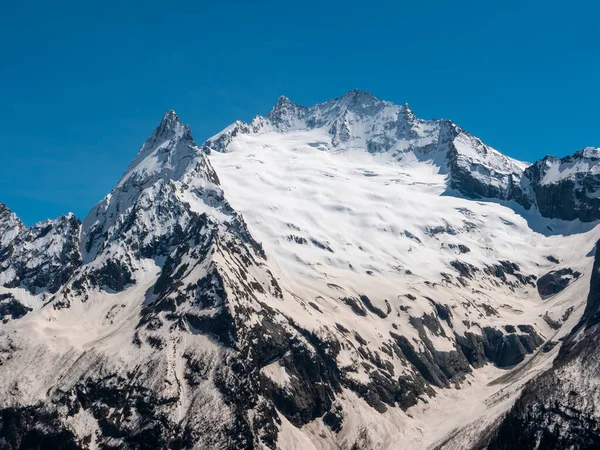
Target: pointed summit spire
{"x": 407, "y": 112}
{"x": 285, "y": 112}
{"x": 166, "y": 148}
{"x": 169, "y": 126}
{"x": 359, "y": 95}
{"x": 10, "y": 225}
{"x": 282, "y": 102}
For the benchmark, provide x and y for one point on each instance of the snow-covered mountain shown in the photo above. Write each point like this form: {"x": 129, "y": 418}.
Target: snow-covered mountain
{"x": 560, "y": 408}
{"x": 344, "y": 275}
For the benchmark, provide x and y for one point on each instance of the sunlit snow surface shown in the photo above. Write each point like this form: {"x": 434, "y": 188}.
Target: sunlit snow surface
{"x": 375, "y": 216}
{"x": 335, "y": 221}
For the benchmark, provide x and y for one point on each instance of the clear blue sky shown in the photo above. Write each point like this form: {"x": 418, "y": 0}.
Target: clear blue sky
{"x": 82, "y": 84}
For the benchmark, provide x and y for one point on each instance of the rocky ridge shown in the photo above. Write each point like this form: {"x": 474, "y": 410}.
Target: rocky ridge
{"x": 162, "y": 320}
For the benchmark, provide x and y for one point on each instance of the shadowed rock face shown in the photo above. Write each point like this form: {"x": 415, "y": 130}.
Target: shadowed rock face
{"x": 558, "y": 410}
{"x": 11, "y": 308}
{"x": 572, "y": 196}
{"x": 564, "y": 196}
{"x": 555, "y": 281}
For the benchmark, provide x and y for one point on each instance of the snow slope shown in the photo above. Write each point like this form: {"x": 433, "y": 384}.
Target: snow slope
{"x": 346, "y": 222}
{"x": 339, "y": 276}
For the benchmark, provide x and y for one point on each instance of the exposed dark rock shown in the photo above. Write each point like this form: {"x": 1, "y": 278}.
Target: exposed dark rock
{"x": 489, "y": 310}
{"x": 437, "y": 368}
{"x": 504, "y": 350}
{"x": 549, "y": 346}
{"x": 504, "y": 268}
{"x": 32, "y": 427}
{"x": 51, "y": 270}
{"x": 468, "y": 180}
{"x": 409, "y": 235}
{"x": 334, "y": 419}
{"x": 114, "y": 275}
{"x": 460, "y": 247}
{"x": 360, "y": 339}
{"x": 371, "y": 307}
{"x": 443, "y": 311}
{"x": 342, "y": 328}
{"x": 571, "y": 197}
{"x": 554, "y": 324}
{"x": 555, "y": 281}
{"x": 464, "y": 269}
{"x": 321, "y": 245}
{"x": 10, "y": 307}
{"x": 315, "y": 306}
{"x": 441, "y": 229}
{"x": 355, "y": 305}
{"x": 297, "y": 239}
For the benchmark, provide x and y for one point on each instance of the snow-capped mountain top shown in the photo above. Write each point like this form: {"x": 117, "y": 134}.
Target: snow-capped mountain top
{"x": 359, "y": 121}
{"x": 569, "y": 187}
{"x": 169, "y": 166}
{"x": 37, "y": 259}
{"x": 10, "y": 225}
{"x": 589, "y": 152}
{"x": 356, "y": 304}
{"x": 582, "y": 163}
{"x": 287, "y": 115}
{"x": 166, "y": 154}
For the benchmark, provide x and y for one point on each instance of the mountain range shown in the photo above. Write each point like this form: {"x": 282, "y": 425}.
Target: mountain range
{"x": 340, "y": 276}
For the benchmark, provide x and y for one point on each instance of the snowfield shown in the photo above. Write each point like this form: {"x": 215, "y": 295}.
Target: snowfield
{"x": 365, "y": 223}
{"x": 339, "y": 276}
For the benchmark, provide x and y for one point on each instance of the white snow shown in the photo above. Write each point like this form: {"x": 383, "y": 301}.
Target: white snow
{"x": 338, "y": 218}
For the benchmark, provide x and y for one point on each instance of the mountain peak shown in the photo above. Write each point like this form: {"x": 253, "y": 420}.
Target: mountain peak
{"x": 357, "y": 94}
{"x": 169, "y": 126}
{"x": 285, "y": 111}
{"x": 282, "y": 101}
{"x": 171, "y": 115}
{"x": 589, "y": 152}
{"x": 167, "y": 151}
{"x": 10, "y": 225}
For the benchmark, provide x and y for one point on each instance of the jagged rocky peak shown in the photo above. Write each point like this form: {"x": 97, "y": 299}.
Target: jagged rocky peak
{"x": 166, "y": 154}
{"x": 286, "y": 114}
{"x": 10, "y": 225}
{"x": 170, "y": 196}
{"x": 563, "y": 188}
{"x": 359, "y": 102}
{"x": 356, "y": 103}
{"x": 568, "y": 188}
{"x": 39, "y": 258}
{"x": 593, "y": 153}
{"x": 169, "y": 125}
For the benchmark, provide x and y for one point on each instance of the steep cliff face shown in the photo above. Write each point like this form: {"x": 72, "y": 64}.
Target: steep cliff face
{"x": 561, "y": 408}
{"x": 479, "y": 171}
{"x": 568, "y": 188}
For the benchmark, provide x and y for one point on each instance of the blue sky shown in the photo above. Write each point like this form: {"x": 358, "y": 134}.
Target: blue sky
{"x": 82, "y": 84}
